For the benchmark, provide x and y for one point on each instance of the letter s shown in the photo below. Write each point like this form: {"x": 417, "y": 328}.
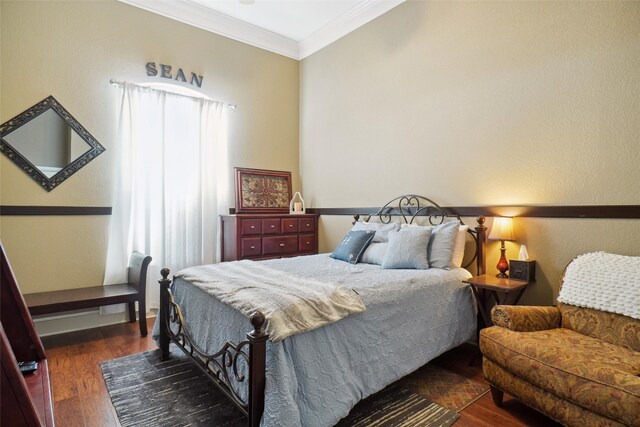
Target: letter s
{"x": 151, "y": 69}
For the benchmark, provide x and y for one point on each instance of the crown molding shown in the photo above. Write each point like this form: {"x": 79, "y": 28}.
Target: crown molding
{"x": 210, "y": 20}
{"x": 355, "y": 18}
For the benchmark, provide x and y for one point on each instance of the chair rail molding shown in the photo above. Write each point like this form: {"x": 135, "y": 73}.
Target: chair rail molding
{"x": 9, "y": 210}
{"x": 578, "y": 211}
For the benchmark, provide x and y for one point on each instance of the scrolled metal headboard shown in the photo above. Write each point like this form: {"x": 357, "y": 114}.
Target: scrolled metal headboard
{"x": 410, "y": 206}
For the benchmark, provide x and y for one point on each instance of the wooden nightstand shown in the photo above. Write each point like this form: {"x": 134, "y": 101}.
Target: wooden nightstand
{"x": 490, "y": 290}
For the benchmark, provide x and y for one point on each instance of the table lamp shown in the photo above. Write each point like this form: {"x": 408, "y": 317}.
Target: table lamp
{"x": 502, "y": 230}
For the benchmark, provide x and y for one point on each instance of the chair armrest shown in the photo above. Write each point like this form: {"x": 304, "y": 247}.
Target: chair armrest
{"x": 526, "y": 318}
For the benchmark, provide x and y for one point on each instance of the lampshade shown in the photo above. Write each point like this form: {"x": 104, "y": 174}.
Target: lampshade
{"x": 502, "y": 229}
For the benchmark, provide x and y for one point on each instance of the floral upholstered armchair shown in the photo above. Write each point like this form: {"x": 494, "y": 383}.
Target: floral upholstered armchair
{"x": 578, "y": 365}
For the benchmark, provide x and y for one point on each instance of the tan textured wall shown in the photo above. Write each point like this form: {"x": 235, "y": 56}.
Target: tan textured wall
{"x": 71, "y": 50}
{"x": 482, "y": 103}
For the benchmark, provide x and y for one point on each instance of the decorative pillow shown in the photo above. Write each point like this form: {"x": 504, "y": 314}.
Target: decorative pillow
{"x": 382, "y": 230}
{"x": 408, "y": 248}
{"x": 458, "y": 248}
{"x": 374, "y": 254}
{"x": 352, "y": 246}
{"x": 443, "y": 240}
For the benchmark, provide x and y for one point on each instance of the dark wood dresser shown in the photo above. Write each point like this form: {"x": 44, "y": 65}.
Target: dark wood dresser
{"x": 266, "y": 236}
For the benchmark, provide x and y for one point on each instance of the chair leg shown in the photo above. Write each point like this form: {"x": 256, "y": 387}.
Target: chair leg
{"x": 497, "y": 395}
{"x": 143, "y": 318}
{"x": 132, "y": 312}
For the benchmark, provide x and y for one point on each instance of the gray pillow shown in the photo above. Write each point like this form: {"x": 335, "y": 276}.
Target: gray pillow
{"x": 352, "y": 246}
{"x": 408, "y": 248}
{"x": 442, "y": 243}
{"x": 374, "y": 254}
{"x": 382, "y": 230}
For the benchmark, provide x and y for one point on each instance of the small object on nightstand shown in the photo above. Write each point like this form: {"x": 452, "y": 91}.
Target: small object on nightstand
{"x": 523, "y": 255}
{"x": 523, "y": 270}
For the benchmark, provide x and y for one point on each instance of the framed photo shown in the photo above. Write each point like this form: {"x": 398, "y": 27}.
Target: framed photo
{"x": 259, "y": 190}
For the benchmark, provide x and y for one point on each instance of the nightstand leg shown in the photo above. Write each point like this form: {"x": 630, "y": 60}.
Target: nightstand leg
{"x": 517, "y": 296}
{"x": 481, "y": 300}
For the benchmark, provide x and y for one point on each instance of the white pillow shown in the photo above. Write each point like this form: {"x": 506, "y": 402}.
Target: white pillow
{"x": 443, "y": 239}
{"x": 458, "y": 249}
{"x": 382, "y": 230}
{"x": 408, "y": 248}
{"x": 374, "y": 254}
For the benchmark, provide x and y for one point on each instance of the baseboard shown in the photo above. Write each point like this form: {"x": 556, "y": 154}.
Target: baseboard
{"x": 79, "y": 320}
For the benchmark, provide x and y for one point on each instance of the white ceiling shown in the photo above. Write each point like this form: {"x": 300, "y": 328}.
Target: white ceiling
{"x": 296, "y": 20}
{"x": 293, "y": 28}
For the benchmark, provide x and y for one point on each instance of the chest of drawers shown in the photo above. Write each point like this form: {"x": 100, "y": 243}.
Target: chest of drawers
{"x": 265, "y": 236}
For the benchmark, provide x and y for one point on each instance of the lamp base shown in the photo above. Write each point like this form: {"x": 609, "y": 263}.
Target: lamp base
{"x": 503, "y": 265}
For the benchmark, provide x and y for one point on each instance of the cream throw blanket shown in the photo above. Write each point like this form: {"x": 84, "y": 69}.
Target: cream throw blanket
{"x": 291, "y": 304}
{"x": 603, "y": 281}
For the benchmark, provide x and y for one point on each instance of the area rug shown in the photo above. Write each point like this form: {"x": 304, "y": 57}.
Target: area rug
{"x": 148, "y": 392}
{"x": 395, "y": 406}
{"x": 446, "y": 388}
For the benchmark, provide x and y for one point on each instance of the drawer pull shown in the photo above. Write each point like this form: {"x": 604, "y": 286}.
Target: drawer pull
{"x": 273, "y": 226}
{"x": 308, "y": 225}
{"x": 253, "y": 247}
{"x": 253, "y": 226}
{"x": 290, "y": 225}
{"x": 308, "y": 243}
{"x": 282, "y": 245}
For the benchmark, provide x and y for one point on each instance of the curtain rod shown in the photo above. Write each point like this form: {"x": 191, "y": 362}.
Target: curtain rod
{"x": 118, "y": 83}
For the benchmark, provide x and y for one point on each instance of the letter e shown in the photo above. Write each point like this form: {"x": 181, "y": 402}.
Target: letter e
{"x": 165, "y": 71}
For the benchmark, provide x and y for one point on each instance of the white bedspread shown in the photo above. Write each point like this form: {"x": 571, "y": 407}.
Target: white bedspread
{"x": 603, "y": 281}
{"x": 316, "y": 377}
{"x": 291, "y": 303}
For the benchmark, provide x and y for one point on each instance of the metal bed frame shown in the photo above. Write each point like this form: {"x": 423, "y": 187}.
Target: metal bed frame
{"x": 226, "y": 364}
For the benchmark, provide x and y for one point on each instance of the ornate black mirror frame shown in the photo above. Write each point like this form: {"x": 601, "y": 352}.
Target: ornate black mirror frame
{"x": 50, "y": 103}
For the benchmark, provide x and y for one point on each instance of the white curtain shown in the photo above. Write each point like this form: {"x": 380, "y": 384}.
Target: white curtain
{"x": 170, "y": 183}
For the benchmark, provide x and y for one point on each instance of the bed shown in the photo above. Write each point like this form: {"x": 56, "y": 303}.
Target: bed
{"x": 315, "y": 377}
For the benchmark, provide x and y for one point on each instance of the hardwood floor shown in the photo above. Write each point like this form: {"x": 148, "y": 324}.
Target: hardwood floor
{"x": 482, "y": 412}
{"x": 79, "y": 392}
{"x": 81, "y": 398}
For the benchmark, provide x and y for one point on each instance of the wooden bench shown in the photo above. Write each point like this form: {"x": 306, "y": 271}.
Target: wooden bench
{"x": 97, "y": 296}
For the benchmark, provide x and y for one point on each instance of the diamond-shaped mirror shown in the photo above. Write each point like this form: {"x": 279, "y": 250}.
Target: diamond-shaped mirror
{"x": 48, "y": 143}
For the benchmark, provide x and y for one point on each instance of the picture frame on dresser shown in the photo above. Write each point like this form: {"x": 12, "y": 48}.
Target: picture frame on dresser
{"x": 262, "y": 190}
